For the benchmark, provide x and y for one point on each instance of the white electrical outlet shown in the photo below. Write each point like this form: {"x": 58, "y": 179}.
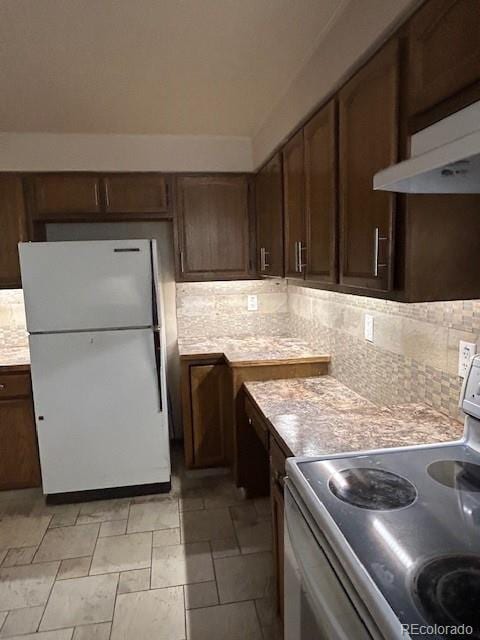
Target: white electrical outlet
{"x": 252, "y": 303}
{"x": 368, "y": 327}
{"x": 466, "y": 351}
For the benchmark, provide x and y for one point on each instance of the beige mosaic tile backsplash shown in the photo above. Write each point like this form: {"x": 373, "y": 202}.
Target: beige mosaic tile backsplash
{"x": 12, "y": 318}
{"x": 414, "y": 356}
{"x": 208, "y": 309}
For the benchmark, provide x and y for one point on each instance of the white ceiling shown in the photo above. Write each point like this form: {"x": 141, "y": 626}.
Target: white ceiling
{"x": 214, "y": 67}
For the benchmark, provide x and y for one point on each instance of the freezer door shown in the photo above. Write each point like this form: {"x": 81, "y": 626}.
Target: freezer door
{"x": 72, "y": 286}
{"x": 97, "y": 410}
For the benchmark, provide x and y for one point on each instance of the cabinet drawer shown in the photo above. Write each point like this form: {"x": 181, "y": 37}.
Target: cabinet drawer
{"x": 14, "y": 385}
{"x": 257, "y": 422}
{"x": 277, "y": 463}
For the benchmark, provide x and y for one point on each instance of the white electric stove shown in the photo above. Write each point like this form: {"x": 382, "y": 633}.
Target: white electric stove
{"x": 386, "y": 544}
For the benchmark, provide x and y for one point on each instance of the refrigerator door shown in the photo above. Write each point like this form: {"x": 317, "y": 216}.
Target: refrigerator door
{"x": 74, "y": 286}
{"x": 97, "y": 410}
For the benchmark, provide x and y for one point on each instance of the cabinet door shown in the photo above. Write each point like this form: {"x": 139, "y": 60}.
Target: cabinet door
{"x": 60, "y": 196}
{"x": 19, "y": 465}
{"x": 443, "y": 52}
{"x": 207, "y": 385}
{"x": 213, "y": 227}
{"x": 293, "y": 189}
{"x": 135, "y": 194}
{"x": 13, "y": 229}
{"x": 269, "y": 210}
{"x": 368, "y": 113}
{"x": 278, "y": 544}
{"x": 321, "y": 194}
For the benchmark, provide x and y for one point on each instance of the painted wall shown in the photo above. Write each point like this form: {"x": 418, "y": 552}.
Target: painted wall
{"x": 109, "y": 152}
{"x": 360, "y": 27}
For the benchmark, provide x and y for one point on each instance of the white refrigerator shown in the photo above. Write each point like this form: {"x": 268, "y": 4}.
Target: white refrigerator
{"x": 94, "y": 314}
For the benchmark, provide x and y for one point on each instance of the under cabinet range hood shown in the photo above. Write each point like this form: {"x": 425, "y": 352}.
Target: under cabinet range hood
{"x": 445, "y": 158}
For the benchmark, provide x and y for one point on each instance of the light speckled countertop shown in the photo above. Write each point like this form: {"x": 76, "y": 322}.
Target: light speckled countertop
{"x": 245, "y": 350}
{"x": 17, "y": 358}
{"x": 319, "y": 416}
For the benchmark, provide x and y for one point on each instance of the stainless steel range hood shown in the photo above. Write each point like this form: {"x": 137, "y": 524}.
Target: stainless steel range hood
{"x": 445, "y": 158}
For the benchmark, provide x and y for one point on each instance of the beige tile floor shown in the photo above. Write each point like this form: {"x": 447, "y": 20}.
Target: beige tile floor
{"x": 195, "y": 564}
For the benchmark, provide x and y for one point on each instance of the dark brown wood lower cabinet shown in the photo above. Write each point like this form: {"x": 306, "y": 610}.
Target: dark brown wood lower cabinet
{"x": 205, "y": 413}
{"x": 277, "y": 476}
{"x": 278, "y": 509}
{"x": 19, "y": 463}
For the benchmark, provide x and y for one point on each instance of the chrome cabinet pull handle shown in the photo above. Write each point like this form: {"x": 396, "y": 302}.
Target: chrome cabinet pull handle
{"x": 301, "y": 264}
{"x": 3, "y": 386}
{"x": 182, "y": 265}
{"x": 376, "y": 246}
{"x": 263, "y": 259}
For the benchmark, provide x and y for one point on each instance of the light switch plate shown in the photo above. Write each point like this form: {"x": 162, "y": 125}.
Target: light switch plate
{"x": 466, "y": 351}
{"x": 368, "y": 327}
{"x": 252, "y": 303}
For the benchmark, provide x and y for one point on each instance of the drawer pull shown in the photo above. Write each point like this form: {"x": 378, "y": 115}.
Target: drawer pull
{"x": 250, "y": 421}
{"x": 2, "y": 386}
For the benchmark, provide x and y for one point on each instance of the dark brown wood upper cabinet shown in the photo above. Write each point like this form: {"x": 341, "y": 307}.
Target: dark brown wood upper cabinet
{"x": 294, "y": 199}
{"x": 213, "y": 227}
{"x": 320, "y": 139}
{"x": 135, "y": 194}
{"x": 14, "y": 229}
{"x": 61, "y": 195}
{"x": 368, "y": 118}
{"x": 269, "y": 210}
{"x": 443, "y": 53}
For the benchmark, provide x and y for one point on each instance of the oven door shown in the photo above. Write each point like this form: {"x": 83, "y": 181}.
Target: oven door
{"x": 317, "y": 606}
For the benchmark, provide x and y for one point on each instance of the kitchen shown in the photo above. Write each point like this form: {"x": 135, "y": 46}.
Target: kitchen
{"x": 239, "y": 313}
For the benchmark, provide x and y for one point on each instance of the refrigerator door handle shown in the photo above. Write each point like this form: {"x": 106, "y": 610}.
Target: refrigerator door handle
{"x": 158, "y": 363}
{"x": 157, "y": 342}
{"x": 153, "y": 266}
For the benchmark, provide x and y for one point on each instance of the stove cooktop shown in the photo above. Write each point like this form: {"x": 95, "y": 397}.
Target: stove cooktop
{"x": 412, "y": 518}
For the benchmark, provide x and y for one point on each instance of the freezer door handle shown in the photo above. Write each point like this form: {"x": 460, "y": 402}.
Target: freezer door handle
{"x": 158, "y": 363}
{"x": 156, "y": 323}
